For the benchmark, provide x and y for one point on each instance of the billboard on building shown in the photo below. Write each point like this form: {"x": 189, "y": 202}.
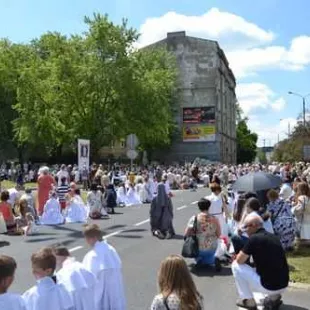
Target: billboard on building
{"x": 199, "y": 124}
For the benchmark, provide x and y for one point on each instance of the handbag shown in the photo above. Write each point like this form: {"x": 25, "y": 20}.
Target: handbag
{"x": 191, "y": 247}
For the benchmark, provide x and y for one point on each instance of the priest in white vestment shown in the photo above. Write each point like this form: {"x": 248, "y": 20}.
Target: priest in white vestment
{"x": 9, "y": 301}
{"x": 103, "y": 261}
{"x": 46, "y": 294}
{"x": 79, "y": 282}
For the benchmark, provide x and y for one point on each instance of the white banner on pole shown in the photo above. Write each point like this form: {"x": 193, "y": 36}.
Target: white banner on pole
{"x": 83, "y": 154}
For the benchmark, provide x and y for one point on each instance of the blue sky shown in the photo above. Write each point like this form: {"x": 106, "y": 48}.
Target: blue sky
{"x": 266, "y": 43}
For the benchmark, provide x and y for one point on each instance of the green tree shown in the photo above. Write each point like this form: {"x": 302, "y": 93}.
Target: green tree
{"x": 291, "y": 149}
{"x": 96, "y": 86}
{"x": 246, "y": 143}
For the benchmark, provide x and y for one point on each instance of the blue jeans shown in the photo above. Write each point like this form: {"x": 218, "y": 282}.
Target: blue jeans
{"x": 206, "y": 257}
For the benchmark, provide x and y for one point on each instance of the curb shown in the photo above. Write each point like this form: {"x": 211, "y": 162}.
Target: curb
{"x": 297, "y": 285}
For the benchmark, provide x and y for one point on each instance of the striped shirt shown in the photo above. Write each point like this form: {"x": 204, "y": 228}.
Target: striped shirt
{"x": 62, "y": 190}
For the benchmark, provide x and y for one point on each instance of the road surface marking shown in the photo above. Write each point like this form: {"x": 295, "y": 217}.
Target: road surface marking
{"x": 181, "y": 208}
{"x": 141, "y": 223}
{"x": 113, "y": 234}
{"x": 194, "y": 202}
{"x": 75, "y": 249}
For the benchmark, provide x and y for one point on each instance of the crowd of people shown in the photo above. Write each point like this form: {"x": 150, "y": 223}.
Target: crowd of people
{"x": 250, "y": 230}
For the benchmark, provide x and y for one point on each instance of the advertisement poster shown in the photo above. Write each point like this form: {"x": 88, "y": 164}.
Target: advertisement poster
{"x": 204, "y": 115}
{"x": 198, "y": 133}
{"x": 199, "y": 124}
{"x": 83, "y": 154}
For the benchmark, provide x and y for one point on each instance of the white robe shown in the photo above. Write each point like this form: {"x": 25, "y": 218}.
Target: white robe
{"x": 10, "y": 301}
{"x": 104, "y": 262}
{"x": 132, "y": 197}
{"x": 52, "y": 213}
{"x": 121, "y": 195}
{"x": 216, "y": 209}
{"x": 76, "y": 211}
{"x": 48, "y": 295}
{"x": 79, "y": 282}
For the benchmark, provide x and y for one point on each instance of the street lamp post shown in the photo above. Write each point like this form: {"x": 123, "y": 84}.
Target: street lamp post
{"x": 303, "y": 104}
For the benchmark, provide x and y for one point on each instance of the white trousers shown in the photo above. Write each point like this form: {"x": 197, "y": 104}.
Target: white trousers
{"x": 248, "y": 282}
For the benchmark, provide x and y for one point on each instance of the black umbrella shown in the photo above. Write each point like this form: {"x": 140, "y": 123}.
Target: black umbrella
{"x": 256, "y": 181}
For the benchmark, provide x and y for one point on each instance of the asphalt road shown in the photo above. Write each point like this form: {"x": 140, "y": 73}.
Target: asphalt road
{"x": 141, "y": 253}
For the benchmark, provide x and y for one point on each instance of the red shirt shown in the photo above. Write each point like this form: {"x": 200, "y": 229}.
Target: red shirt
{"x": 5, "y": 209}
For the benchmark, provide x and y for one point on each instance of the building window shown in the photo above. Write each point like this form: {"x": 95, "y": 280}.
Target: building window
{"x": 123, "y": 144}
{"x": 112, "y": 144}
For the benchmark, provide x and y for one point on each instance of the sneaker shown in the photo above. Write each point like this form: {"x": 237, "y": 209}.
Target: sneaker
{"x": 159, "y": 234}
{"x": 218, "y": 266}
{"x": 272, "y": 302}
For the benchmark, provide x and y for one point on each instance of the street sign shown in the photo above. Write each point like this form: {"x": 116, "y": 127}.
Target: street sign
{"x": 132, "y": 154}
{"x": 306, "y": 152}
{"x": 132, "y": 142}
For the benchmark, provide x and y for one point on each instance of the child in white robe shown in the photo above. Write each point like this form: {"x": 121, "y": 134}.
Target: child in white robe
{"x": 132, "y": 196}
{"x": 76, "y": 211}
{"x": 46, "y": 294}
{"x": 52, "y": 212}
{"x": 9, "y": 301}
{"x": 103, "y": 261}
{"x": 79, "y": 282}
{"x": 121, "y": 195}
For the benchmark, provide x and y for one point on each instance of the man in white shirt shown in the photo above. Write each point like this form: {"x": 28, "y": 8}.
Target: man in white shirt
{"x": 79, "y": 282}
{"x": 9, "y": 301}
{"x": 103, "y": 261}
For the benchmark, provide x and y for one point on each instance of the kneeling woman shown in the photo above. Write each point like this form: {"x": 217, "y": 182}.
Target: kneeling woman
{"x": 207, "y": 229}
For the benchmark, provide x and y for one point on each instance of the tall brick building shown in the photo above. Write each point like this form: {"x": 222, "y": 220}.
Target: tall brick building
{"x": 207, "y": 102}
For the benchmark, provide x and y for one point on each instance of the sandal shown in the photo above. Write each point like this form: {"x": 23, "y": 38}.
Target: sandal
{"x": 245, "y": 303}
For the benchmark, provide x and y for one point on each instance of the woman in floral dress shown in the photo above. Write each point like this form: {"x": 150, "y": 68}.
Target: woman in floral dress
{"x": 284, "y": 224}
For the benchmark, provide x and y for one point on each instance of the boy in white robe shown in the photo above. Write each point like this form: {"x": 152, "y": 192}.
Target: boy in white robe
{"x": 104, "y": 262}
{"x": 9, "y": 301}
{"x": 79, "y": 282}
{"x": 47, "y": 294}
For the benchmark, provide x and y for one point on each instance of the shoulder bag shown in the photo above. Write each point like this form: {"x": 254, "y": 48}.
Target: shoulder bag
{"x": 191, "y": 247}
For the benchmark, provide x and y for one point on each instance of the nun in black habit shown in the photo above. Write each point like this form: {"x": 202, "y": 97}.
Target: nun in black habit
{"x": 161, "y": 214}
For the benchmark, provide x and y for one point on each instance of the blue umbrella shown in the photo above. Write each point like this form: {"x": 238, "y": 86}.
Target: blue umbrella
{"x": 256, "y": 181}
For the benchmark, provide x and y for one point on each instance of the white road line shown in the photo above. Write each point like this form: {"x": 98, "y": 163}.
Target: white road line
{"x": 194, "y": 202}
{"x": 181, "y": 208}
{"x": 141, "y": 223}
{"x": 76, "y": 248}
{"x": 113, "y": 234}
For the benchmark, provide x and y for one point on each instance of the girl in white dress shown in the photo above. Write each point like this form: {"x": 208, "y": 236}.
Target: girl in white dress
{"x": 52, "y": 212}
{"x": 76, "y": 211}
{"x": 95, "y": 203}
{"x": 121, "y": 195}
{"x": 132, "y": 197}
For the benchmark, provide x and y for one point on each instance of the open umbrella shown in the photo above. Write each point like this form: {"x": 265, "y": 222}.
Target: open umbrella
{"x": 256, "y": 181}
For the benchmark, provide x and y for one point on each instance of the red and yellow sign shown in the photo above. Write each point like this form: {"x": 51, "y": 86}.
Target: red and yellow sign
{"x": 198, "y": 133}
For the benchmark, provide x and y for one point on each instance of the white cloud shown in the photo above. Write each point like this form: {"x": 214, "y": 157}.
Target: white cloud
{"x": 228, "y": 28}
{"x": 247, "y": 45}
{"x": 269, "y": 135}
{"x": 254, "y": 96}
{"x": 246, "y": 62}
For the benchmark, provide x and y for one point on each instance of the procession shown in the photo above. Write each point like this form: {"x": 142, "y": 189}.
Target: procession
{"x": 154, "y": 155}
{"x": 243, "y": 198}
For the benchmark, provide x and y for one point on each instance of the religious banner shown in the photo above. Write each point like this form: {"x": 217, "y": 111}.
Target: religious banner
{"x": 83, "y": 154}
{"x": 199, "y": 124}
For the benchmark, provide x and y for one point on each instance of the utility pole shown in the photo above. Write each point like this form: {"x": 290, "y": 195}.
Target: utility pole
{"x": 303, "y": 104}
{"x": 289, "y": 128}
{"x": 304, "y": 110}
